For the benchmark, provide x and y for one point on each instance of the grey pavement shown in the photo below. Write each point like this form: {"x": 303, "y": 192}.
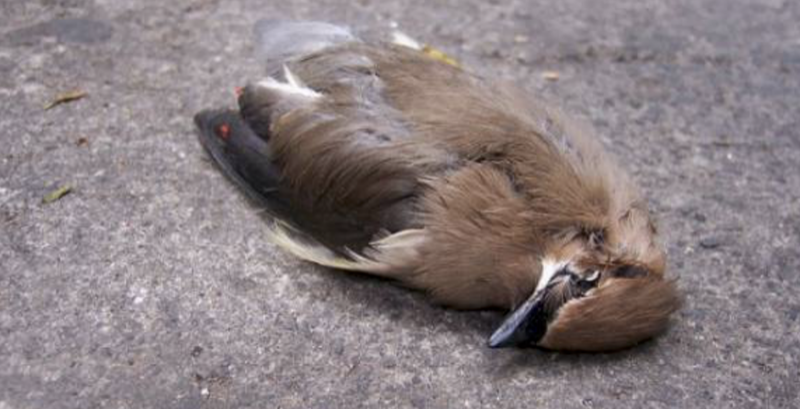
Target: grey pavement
{"x": 152, "y": 283}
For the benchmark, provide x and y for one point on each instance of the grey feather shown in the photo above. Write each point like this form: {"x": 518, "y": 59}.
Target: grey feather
{"x": 278, "y": 41}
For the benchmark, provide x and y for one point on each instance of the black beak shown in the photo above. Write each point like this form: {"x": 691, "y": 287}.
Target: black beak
{"x": 527, "y": 324}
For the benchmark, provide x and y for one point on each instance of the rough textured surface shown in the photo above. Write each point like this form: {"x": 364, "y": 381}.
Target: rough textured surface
{"x": 152, "y": 285}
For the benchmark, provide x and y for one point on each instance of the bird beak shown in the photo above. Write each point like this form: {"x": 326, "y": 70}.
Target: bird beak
{"x": 527, "y": 324}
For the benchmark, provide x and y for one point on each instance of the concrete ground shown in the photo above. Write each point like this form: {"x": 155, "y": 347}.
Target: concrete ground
{"x": 152, "y": 285}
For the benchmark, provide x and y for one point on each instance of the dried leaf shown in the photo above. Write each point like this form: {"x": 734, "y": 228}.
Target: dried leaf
{"x": 57, "y": 194}
{"x": 65, "y": 97}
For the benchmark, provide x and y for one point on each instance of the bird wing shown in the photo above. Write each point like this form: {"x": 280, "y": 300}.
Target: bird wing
{"x": 318, "y": 146}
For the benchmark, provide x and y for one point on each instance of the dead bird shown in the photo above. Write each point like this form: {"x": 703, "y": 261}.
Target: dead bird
{"x": 389, "y": 158}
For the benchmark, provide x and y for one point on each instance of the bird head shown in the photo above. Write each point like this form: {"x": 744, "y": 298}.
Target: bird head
{"x": 600, "y": 291}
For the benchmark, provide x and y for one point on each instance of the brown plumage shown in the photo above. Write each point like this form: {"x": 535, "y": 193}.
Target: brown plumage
{"x": 383, "y": 159}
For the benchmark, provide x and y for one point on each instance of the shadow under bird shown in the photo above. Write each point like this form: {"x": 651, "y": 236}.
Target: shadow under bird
{"x": 389, "y": 158}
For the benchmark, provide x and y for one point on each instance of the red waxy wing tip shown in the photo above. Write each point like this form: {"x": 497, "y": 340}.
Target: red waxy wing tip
{"x": 224, "y": 131}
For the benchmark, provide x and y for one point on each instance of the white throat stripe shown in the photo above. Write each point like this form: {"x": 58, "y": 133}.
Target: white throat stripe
{"x": 549, "y": 269}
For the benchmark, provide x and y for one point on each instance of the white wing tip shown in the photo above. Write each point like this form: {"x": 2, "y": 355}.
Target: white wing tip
{"x": 292, "y": 86}
{"x": 402, "y": 39}
{"x": 292, "y": 79}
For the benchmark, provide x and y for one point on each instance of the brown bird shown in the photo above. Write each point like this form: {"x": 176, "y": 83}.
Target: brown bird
{"x": 389, "y": 158}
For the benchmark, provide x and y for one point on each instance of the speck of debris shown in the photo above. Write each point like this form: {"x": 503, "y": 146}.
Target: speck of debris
{"x": 196, "y": 351}
{"x": 551, "y": 75}
{"x": 710, "y": 242}
{"x": 520, "y": 39}
{"x": 82, "y": 141}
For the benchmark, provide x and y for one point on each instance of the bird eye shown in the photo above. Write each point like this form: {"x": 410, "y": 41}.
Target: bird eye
{"x": 587, "y": 283}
